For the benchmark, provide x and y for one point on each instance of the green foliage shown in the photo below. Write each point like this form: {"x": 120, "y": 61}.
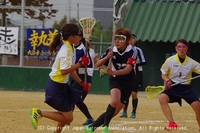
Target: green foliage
{"x": 98, "y": 34}
{"x": 58, "y": 25}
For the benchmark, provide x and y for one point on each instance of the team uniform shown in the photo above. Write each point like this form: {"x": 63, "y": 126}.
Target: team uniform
{"x": 80, "y": 51}
{"x": 140, "y": 61}
{"x": 119, "y": 61}
{"x": 59, "y": 94}
{"x": 178, "y": 71}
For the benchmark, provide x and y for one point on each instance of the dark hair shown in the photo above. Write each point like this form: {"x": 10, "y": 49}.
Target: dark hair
{"x": 124, "y": 31}
{"x": 66, "y": 31}
{"x": 134, "y": 36}
{"x": 182, "y": 41}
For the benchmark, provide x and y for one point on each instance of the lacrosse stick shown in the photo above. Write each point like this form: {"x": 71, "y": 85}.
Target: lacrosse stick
{"x": 152, "y": 91}
{"x": 102, "y": 72}
{"x": 87, "y": 23}
{"x": 117, "y": 7}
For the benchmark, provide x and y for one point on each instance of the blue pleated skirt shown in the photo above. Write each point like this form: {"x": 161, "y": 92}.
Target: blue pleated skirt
{"x": 61, "y": 97}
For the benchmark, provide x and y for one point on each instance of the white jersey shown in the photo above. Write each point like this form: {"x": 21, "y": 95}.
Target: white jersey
{"x": 140, "y": 58}
{"x": 178, "y": 71}
{"x": 65, "y": 58}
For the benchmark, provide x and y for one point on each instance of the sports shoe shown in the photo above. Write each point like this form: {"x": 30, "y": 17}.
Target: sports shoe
{"x": 105, "y": 129}
{"x": 132, "y": 115}
{"x": 88, "y": 121}
{"x": 87, "y": 129}
{"x": 35, "y": 116}
{"x": 171, "y": 126}
{"x": 124, "y": 114}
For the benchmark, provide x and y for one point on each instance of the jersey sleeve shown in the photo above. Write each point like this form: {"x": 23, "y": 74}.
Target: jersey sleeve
{"x": 92, "y": 53}
{"x": 196, "y": 68}
{"x": 66, "y": 61}
{"x": 141, "y": 59}
{"x": 104, "y": 55}
{"x": 165, "y": 68}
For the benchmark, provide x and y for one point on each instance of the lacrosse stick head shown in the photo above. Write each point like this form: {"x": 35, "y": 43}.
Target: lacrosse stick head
{"x": 152, "y": 91}
{"x": 87, "y": 24}
{"x": 117, "y": 6}
{"x": 102, "y": 72}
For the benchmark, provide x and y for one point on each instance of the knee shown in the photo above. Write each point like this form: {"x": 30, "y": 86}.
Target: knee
{"x": 163, "y": 99}
{"x": 69, "y": 119}
{"x": 114, "y": 103}
{"x": 134, "y": 95}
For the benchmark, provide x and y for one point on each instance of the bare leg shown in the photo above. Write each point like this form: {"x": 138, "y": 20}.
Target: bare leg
{"x": 61, "y": 117}
{"x": 196, "y": 107}
{"x": 164, "y": 99}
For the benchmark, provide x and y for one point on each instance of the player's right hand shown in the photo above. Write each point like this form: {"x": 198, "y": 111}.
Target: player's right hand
{"x": 109, "y": 55}
{"x": 84, "y": 61}
{"x": 168, "y": 84}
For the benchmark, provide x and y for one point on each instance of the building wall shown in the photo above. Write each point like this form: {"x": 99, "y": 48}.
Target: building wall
{"x": 105, "y": 17}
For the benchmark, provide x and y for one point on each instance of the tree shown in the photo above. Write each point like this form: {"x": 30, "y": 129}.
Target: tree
{"x": 58, "y": 25}
{"x": 98, "y": 34}
{"x": 40, "y": 14}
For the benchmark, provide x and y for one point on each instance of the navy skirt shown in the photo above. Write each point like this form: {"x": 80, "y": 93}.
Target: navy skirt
{"x": 61, "y": 97}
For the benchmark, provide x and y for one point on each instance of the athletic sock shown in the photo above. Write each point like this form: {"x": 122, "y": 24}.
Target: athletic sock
{"x": 98, "y": 122}
{"x": 109, "y": 115}
{"x": 82, "y": 106}
{"x": 126, "y": 106}
{"x": 134, "y": 104}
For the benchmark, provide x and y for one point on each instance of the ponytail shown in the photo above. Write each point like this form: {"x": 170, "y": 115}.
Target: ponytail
{"x": 56, "y": 42}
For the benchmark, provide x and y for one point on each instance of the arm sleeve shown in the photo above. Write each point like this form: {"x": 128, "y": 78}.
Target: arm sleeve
{"x": 141, "y": 59}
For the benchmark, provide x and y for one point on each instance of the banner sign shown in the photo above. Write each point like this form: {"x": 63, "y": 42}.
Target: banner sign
{"x": 9, "y": 40}
{"x": 39, "y": 40}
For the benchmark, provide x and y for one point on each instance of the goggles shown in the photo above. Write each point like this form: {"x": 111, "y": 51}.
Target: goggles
{"x": 120, "y": 38}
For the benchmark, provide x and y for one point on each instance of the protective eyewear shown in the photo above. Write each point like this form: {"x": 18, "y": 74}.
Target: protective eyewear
{"x": 181, "y": 47}
{"x": 120, "y": 38}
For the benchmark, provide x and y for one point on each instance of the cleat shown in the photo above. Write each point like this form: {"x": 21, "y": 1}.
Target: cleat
{"x": 132, "y": 115}
{"x": 105, "y": 129}
{"x": 87, "y": 129}
{"x": 88, "y": 122}
{"x": 35, "y": 116}
{"x": 123, "y": 114}
{"x": 171, "y": 126}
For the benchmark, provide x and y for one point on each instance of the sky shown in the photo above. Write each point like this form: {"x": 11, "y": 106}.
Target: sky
{"x": 85, "y": 10}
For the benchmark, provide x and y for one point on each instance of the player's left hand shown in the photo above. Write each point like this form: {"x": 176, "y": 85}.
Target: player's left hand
{"x": 85, "y": 86}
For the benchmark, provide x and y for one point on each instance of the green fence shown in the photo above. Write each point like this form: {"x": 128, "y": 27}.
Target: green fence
{"x": 34, "y": 79}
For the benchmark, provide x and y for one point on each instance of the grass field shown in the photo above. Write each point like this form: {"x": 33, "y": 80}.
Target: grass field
{"x": 15, "y": 118}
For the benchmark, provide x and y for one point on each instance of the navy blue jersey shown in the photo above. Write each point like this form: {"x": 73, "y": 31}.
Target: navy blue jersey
{"x": 119, "y": 60}
{"x": 80, "y": 51}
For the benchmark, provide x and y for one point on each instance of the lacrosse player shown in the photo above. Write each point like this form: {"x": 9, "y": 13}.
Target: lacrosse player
{"x": 81, "y": 51}
{"x": 138, "y": 80}
{"x": 58, "y": 94}
{"x": 175, "y": 69}
{"x": 121, "y": 77}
